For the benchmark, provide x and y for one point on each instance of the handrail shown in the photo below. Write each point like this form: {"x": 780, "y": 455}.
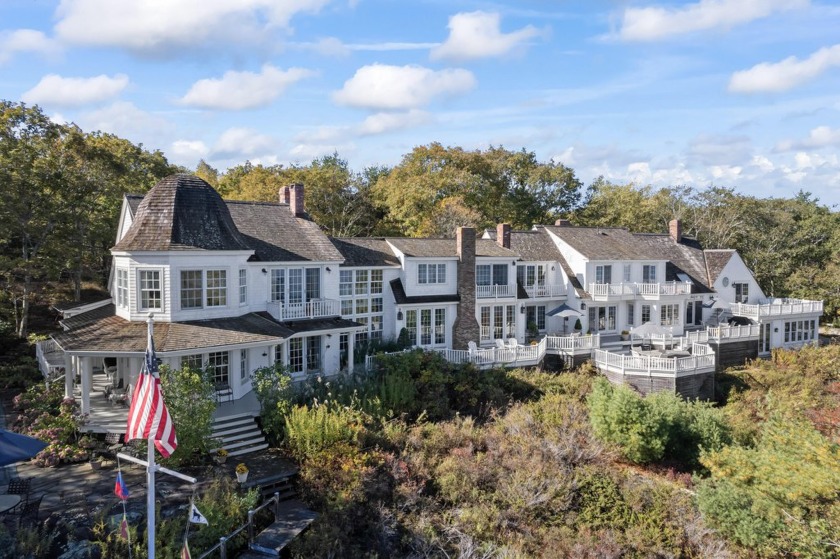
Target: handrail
{"x": 222, "y": 545}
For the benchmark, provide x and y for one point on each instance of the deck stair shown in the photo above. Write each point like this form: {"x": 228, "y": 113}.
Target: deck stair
{"x": 238, "y": 434}
{"x": 281, "y": 483}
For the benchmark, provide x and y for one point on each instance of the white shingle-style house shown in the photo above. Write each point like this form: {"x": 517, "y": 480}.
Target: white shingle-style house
{"x": 241, "y": 285}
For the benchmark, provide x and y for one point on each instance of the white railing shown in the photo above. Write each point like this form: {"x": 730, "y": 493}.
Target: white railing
{"x": 539, "y": 290}
{"x": 777, "y": 307}
{"x": 607, "y": 290}
{"x": 655, "y": 366}
{"x": 494, "y": 291}
{"x": 316, "y": 308}
{"x": 733, "y": 332}
{"x": 518, "y": 354}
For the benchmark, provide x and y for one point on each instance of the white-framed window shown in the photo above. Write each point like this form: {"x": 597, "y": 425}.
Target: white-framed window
{"x": 122, "y": 287}
{"x": 631, "y": 311}
{"x": 649, "y": 273}
{"x": 535, "y": 315}
{"x": 645, "y": 313}
{"x": 491, "y": 274}
{"x": 800, "y": 331}
{"x": 530, "y": 275}
{"x": 243, "y": 366}
{"x": 305, "y": 355}
{"x": 375, "y": 281}
{"x": 219, "y": 363}
{"x": 243, "y": 286}
{"x": 295, "y": 285}
{"x": 362, "y": 287}
{"x": 431, "y": 273}
{"x": 192, "y": 362}
{"x": 296, "y": 355}
{"x": 627, "y": 273}
{"x": 742, "y": 292}
{"x": 602, "y": 318}
{"x": 345, "y": 283}
{"x": 376, "y": 327}
{"x": 346, "y": 307}
{"x": 151, "y": 291}
{"x": 426, "y": 327}
{"x": 216, "y": 288}
{"x": 669, "y": 315}
{"x": 278, "y": 285}
{"x": 192, "y": 289}
{"x": 603, "y": 273}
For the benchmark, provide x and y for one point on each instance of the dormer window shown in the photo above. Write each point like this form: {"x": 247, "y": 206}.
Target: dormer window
{"x": 122, "y": 287}
{"x": 431, "y": 273}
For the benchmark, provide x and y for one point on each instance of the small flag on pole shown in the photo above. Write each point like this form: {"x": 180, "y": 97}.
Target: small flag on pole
{"x": 196, "y": 517}
{"x": 124, "y": 527}
{"x": 185, "y": 551}
{"x": 148, "y": 417}
{"x": 120, "y": 488}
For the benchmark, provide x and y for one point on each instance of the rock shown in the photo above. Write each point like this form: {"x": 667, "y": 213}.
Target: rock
{"x": 82, "y": 533}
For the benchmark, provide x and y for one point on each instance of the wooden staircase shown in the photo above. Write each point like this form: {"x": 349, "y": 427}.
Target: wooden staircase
{"x": 238, "y": 434}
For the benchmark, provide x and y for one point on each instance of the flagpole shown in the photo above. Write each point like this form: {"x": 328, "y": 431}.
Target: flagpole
{"x": 150, "y": 475}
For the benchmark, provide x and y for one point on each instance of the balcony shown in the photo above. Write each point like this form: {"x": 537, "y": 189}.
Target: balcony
{"x": 618, "y": 291}
{"x": 541, "y": 291}
{"x": 316, "y": 308}
{"x": 777, "y": 308}
{"x": 495, "y": 291}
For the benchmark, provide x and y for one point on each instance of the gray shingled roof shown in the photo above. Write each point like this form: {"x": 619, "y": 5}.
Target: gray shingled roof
{"x": 442, "y": 248}
{"x": 322, "y": 324}
{"x": 182, "y": 212}
{"x": 269, "y": 229}
{"x": 716, "y": 260}
{"x": 117, "y": 335}
{"x": 402, "y": 299}
{"x": 684, "y": 257}
{"x": 365, "y": 251}
{"x": 535, "y": 246}
{"x": 603, "y": 243}
{"x": 276, "y": 235}
{"x": 87, "y": 317}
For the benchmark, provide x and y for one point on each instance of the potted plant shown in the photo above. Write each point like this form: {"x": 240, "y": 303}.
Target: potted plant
{"x": 625, "y": 335}
{"x": 221, "y": 456}
{"x": 241, "y": 472}
{"x": 578, "y": 325}
{"x": 532, "y": 328}
{"x": 95, "y": 461}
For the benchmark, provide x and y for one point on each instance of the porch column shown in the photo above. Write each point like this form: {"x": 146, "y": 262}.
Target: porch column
{"x": 351, "y": 345}
{"x": 68, "y": 375}
{"x": 87, "y": 381}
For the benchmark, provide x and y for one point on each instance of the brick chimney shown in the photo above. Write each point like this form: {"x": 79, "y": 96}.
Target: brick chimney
{"x": 285, "y": 195}
{"x": 675, "y": 229}
{"x": 296, "y": 203}
{"x": 465, "y": 329}
{"x": 503, "y": 235}
{"x": 563, "y": 223}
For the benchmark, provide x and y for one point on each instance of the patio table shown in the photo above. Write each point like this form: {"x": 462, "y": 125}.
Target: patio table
{"x": 8, "y": 502}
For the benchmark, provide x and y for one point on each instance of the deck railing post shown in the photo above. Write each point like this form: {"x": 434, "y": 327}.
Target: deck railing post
{"x": 223, "y": 547}
{"x": 276, "y": 505}
{"x": 250, "y": 526}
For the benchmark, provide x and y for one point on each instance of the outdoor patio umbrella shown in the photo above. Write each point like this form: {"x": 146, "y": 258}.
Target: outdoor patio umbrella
{"x": 563, "y": 310}
{"x": 15, "y": 447}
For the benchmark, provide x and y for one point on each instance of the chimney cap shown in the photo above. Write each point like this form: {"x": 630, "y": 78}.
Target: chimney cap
{"x": 563, "y": 223}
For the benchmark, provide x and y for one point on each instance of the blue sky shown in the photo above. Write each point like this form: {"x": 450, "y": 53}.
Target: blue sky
{"x": 741, "y": 93}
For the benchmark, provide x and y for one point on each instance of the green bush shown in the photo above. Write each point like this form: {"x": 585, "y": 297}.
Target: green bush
{"x": 190, "y": 399}
{"x": 273, "y": 387}
{"x": 660, "y": 426}
{"x": 310, "y": 430}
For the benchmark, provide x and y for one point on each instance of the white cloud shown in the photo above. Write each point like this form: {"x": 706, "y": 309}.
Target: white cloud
{"x": 383, "y": 87}
{"x": 478, "y": 35}
{"x": 75, "y": 92}
{"x": 654, "y": 23}
{"x": 784, "y": 75}
{"x": 308, "y": 152}
{"x": 124, "y": 119}
{"x": 189, "y": 150}
{"x": 25, "y": 40}
{"x": 243, "y": 90}
{"x": 244, "y": 143}
{"x": 381, "y": 123}
{"x": 819, "y": 137}
{"x": 161, "y": 25}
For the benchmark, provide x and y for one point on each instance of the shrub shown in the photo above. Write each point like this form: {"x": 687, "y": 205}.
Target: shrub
{"x": 189, "y": 396}
{"x": 273, "y": 387}
{"x": 310, "y": 430}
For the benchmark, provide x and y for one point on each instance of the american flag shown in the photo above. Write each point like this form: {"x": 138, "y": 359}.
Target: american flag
{"x": 148, "y": 416}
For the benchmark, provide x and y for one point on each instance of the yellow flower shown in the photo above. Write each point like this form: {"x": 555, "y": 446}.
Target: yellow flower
{"x": 241, "y": 468}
